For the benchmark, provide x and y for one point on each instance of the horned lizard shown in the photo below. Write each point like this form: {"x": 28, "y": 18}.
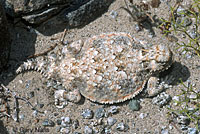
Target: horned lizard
{"x": 108, "y": 68}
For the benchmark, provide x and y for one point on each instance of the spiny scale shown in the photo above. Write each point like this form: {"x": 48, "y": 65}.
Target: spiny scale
{"x": 33, "y": 65}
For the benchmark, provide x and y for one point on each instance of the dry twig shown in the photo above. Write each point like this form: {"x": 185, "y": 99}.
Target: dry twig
{"x": 51, "y": 47}
{"x": 16, "y": 104}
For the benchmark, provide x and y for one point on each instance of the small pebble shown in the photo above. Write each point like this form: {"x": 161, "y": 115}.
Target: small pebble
{"x": 164, "y": 131}
{"x": 183, "y": 36}
{"x": 113, "y": 14}
{"x": 45, "y": 111}
{"x": 183, "y": 52}
{"x": 134, "y": 105}
{"x": 66, "y": 121}
{"x": 31, "y": 94}
{"x": 133, "y": 124}
{"x": 35, "y": 113}
{"x": 55, "y": 114}
{"x": 176, "y": 99}
{"x": 75, "y": 124}
{"x": 97, "y": 130}
{"x": 41, "y": 105}
{"x": 192, "y": 131}
{"x": 111, "y": 121}
{"x": 137, "y": 28}
{"x": 184, "y": 127}
{"x": 113, "y": 110}
{"x": 65, "y": 130}
{"x": 143, "y": 115}
{"x": 88, "y": 130}
{"x": 184, "y": 120}
{"x": 58, "y": 129}
{"x": 170, "y": 127}
{"x": 66, "y": 42}
{"x": 122, "y": 127}
{"x": 99, "y": 113}
{"x": 151, "y": 34}
{"x": 191, "y": 109}
{"x": 188, "y": 56}
{"x": 161, "y": 99}
{"x": 184, "y": 21}
{"x": 58, "y": 121}
{"x": 20, "y": 81}
{"x": 107, "y": 131}
{"x": 193, "y": 96}
{"x": 48, "y": 123}
{"x": 28, "y": 83}
{"x": 87, "y": 114}
{"x": 49, "y": 84}
{"x": 197, "y": 113}
{"x": 193, "y": 33}
{"x": 21, "y": 117}
{"x": 180, "y": 11}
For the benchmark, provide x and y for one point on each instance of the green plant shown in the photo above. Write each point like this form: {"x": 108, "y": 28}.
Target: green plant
{"x": 187, "y": 105}
{"x": 173, "y": 26}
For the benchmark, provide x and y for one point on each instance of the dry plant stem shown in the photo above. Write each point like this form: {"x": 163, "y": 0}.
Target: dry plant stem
{"x": 2, "y": 111}
{"x": 44, "y": 53}
{"x": 16, "y": 104}
{"x": 130, "y": 13}
{"x": 51, "y": 47}
{"x": 63, "y": 35}
{"x": 150, "y": 17}
{"x": 33, "y": 108}
{"x": 177, "y": 4}
{"x": 16, "y": 110}
{"x": 171, "y": 16}
{"x": 6, "y": 112}
{"x": 126, "y": 4}
{"x": 7, "y": 115}
{"x": 6, "y": 105}
{"x": 193, "y": 40}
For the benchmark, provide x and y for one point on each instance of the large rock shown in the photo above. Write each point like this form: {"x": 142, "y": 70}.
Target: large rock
{"x": 75, "y": 16}
{"x": 17, "y": 7}
{"x": 38, "y": 11}
{"x": 85, "y": 13}
{"x": 5, "y": 42}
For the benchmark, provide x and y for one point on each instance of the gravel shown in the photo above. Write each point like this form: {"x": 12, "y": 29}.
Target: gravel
{"x": 87, "y": 114}
{"x": 87, "y": 130}
{"x": 111, "y": 121}
{"x": 99, "y": 113}
{"x": 48, "y": 123}
{"x": 134, "y": 105}
{"x": 122, "y": 127}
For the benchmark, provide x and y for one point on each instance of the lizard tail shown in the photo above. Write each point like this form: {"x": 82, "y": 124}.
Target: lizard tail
{"x": 33, "y": 65}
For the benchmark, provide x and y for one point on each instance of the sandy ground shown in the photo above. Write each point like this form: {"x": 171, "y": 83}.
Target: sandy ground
{"x": 27, "y": 42}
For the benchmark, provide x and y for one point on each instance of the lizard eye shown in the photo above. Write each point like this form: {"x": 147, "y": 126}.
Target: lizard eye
{"x": 144, "y": 52}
